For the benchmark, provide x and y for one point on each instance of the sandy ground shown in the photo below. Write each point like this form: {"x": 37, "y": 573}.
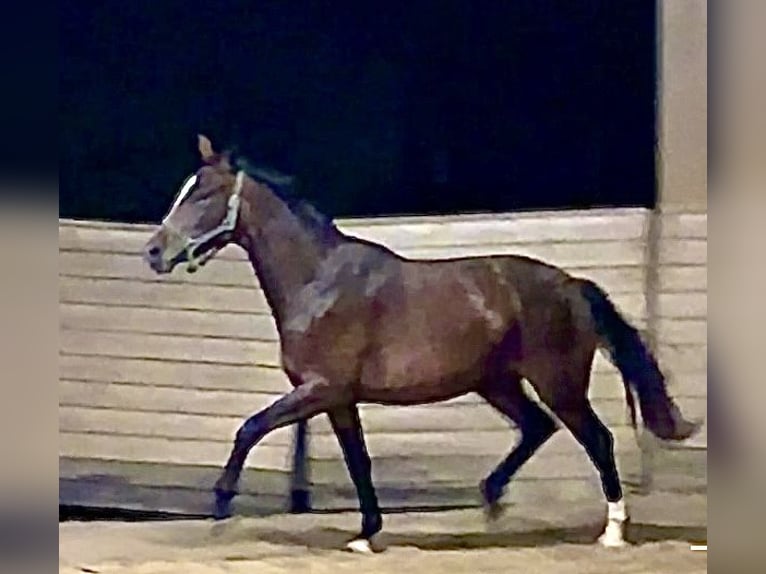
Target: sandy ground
{"x": 529, "y": 539}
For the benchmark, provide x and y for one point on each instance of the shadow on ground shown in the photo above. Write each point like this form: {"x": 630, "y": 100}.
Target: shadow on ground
{"x": 331, "y": 538}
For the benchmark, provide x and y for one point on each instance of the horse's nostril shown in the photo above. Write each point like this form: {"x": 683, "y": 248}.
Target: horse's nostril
{"x": 153, "y": 251}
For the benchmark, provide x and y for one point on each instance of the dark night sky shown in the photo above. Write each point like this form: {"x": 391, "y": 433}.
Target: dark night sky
{"x": 379, "y": 107}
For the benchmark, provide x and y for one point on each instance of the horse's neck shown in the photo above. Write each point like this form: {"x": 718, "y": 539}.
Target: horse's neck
{"x": 285, "y": 251}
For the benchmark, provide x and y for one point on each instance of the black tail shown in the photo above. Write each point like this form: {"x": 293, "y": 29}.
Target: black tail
{"x": 638, "y": 367}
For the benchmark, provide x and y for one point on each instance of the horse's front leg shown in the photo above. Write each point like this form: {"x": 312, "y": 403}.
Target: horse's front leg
{"x": 303, "y": 402}
{"x": 348, "y": 428}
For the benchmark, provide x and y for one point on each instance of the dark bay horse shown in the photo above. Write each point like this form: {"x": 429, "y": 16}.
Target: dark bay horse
{"x": 359, "y": 323}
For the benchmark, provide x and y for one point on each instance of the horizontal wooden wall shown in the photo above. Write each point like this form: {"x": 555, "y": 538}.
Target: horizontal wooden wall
{"x": 156, "y": 373}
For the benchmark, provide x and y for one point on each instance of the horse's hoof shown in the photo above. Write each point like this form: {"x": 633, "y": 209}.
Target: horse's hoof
{"x": 491, "y": 502}
{"x": 222, "y": 506}
{"x": 609, "y": 542}
{"x": 363, "y": 546}
{"x": 613, "y": 535}
{"x": 493, "y": 512}
{"x": 300, "y": 502}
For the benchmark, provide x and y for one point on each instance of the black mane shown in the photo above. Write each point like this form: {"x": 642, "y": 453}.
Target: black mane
{"x": 285, "y": 187}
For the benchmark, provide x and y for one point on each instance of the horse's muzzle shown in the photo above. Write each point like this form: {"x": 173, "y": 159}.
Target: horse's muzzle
{"x": 154, "y": 255}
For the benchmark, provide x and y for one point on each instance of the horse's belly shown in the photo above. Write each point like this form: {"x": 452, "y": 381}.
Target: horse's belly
{"x": 425, "y": 374}
{"x": 409, "y": 392}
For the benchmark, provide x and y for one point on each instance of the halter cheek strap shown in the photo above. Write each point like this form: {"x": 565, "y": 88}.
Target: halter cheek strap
{"x": 227, "y": 225}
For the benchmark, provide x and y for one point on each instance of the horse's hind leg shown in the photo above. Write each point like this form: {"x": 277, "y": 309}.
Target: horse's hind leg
{"x": 508, "y": 397}
{"x": 348, "y": 429}
{"x": 571, "y": 405}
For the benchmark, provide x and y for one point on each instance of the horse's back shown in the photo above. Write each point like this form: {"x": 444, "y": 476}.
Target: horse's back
{"x": 506, "y": 297}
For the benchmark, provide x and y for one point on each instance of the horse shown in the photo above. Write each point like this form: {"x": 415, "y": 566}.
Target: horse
{"x": 359, "y": 323}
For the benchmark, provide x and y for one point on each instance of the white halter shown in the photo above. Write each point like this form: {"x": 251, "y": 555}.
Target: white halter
{"x": 227, "y": 225}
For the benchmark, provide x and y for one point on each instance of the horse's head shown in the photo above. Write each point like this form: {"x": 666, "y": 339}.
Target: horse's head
{"x": 203, "y": 216}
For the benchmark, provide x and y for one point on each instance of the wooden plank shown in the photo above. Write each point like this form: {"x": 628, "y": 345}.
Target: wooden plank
{"x": 164, "y": 475}
{"x": 400, "y": 482}
{"x": 469, "y": 412}
{"x": 265, "y": 455}
{"x": 186, "y": 375}
{"x": 211, "y": 299}
{"x": 447, "y": 417}
{"x": 162, "y": 295}
{"x": 565, "y": 255}
{"x": 104, "y": 492}
{"x": 389, "y": 474}
{"x": 469, "y": 471}
{"x": 683, "y": 358}
{"x": 256, "y": 326}
{"x": 381, "y": 420}
{"x": 694, "y": 408}
{"x": 165, "y": 487}
{"x": 107, "y": 487}
{"x": 688, "y": 305}
{"x": 633, "y": 306}
{"x": 683, "y": 252}
{"x": 244, "y": 378}
{"x": 124, "y": 423}
{"x": 230, "y": 351}
{"x": 222, "y": 427}
{"x": 682, "y": 278}
{"x": 251, "y": 381}
{"x": 239, "y": 274}
{"x": 570, "y": 252}
{"x": 179, "y": 348}
{"x": 116, "y": 422}
{"x": 682, "y": 331}
{"x": 608, "y": 212}
{"x": 170, "y": 347}
{"x": 222, "y": 272}
{"x": 677, "y": 471}
{"x": 577, "y": 257}
{"x": 605, "y": 381}
{"x": 403, "y": 232}
{"x": 425, "y": 493}
{"x": 548, "y": 466}
{"x": 684, "y": 225}
{"x": 477, "y": 443}
{"x": 691, "y": 384}
{"x": 242, "y": 326}
{"x": 459, "y": 469}
{"x": 614, "y": 280}
{"x": 492, "y": 230}
{"x": 195, "y": 323}
{"x": 165, "y": 386}
{"x": 166, "y": 451}
{"x": 161, "y": 399}
{"x": 120, "y": 239}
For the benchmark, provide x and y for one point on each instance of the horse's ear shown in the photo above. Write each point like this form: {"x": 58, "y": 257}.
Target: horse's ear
{"x": 205, "y": 148}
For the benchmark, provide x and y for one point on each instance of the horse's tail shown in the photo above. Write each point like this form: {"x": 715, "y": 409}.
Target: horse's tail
{"x": 638, "y": 367}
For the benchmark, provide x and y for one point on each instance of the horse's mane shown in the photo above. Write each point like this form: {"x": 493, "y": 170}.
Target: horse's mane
{"x": 286, "y": 188}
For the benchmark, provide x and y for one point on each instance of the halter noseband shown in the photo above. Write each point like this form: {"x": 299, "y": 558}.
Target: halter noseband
{"x": 227, "y": 225}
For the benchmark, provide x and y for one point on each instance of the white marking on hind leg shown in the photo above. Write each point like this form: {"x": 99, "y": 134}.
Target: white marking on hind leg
{"x": 363, "y": 546}
{"x": 614, "y": 533}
